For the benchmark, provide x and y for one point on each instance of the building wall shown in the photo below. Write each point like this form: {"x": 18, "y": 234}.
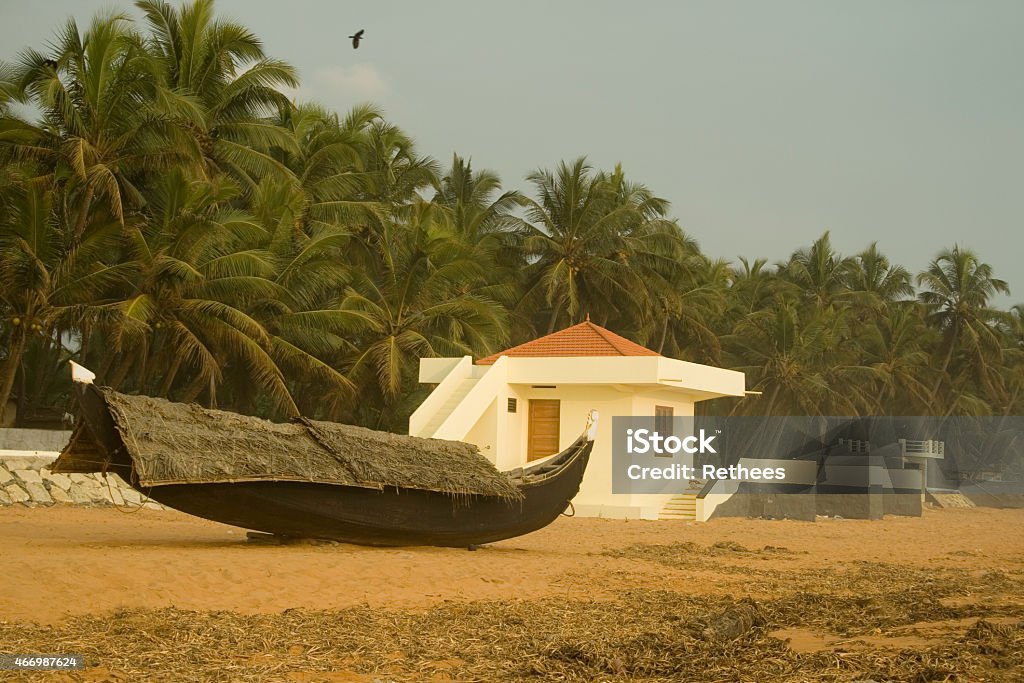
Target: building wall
{"x": 485, "y": 432}
{"x": 644, "y": 403}
{"x": 515, "y": 428}
{"x": 614, "y": 387}
{"x": 595, "y": 498}
{"x": 693, "y": 378}
{"x": 650, "y": 505}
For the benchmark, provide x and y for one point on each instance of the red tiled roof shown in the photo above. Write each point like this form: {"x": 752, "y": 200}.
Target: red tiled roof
{"x": 585, "y": 339}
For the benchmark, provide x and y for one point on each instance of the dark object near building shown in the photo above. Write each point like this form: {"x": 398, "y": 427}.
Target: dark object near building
{"x": 309, "y": 479}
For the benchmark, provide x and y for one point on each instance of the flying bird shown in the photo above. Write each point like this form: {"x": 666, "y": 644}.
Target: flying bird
{"x": 356, "y": 38}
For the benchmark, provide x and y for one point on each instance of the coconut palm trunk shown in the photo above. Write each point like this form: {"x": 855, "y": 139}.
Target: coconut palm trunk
{"x": 945, "y": 366}
{"x": 11, "y": 365}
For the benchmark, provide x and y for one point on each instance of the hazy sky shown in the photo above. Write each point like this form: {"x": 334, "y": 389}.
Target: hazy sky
{"x": 764, "y": 123}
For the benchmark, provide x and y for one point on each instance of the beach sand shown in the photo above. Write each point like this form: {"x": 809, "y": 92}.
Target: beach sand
{"x": 64, "y": 562}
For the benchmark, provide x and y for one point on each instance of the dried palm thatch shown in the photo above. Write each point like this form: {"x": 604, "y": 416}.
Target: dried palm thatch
{"x": 175, "y": 443}
{"x": 410, "y": 462}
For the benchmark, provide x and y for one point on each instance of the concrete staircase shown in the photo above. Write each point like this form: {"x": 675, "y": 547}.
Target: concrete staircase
{"x": 949, "y": 499}
{"x": 681, "y": 507}
{"x": 446, "y": 408}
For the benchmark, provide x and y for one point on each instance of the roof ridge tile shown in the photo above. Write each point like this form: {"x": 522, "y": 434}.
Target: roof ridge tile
{"x": 583, "y": 339}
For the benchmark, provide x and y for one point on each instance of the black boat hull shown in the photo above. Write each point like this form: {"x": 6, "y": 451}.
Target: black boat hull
{"x": 366, "y": 516}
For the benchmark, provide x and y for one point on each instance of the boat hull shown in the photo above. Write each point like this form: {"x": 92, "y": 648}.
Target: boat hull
{"x": 367, "y": 516}
{"x": 392, "y": 517}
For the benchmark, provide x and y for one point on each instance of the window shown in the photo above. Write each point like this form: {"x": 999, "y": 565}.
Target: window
{"x": 663, "y": 420}
{"x": 512, "y": 405}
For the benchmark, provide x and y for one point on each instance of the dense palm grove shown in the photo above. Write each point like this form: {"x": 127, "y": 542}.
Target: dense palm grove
{"x": 170, "y": 218}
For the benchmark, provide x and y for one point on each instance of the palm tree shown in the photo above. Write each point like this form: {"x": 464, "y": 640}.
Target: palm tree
{"x": 896, "y": 348}
{"x": 957, "y": 291}
{"x": 8, "y": 87}
{"x": 395, "y": 171}
{"x": 328, "y": 163}
{"x": 819, "y": 272}
{"x": 310, "y": 336}
{"x": 691, "y": 310}
{"x": 483, "y": 219}
{"x": 753, "y": 287}
{"x": 185, "y": 306}
{"x": 1014, "y": 357}
{"x": 414, "y": 309}
{"x": 222, "y": 87}
{"x": 102, "y": 133}
{"x": 27, "y": 257}
{"x": 48, "y": 287}
{"x": 800, "y": 366}
{"x": 595, "y": 245}
{"x": 876, "y": 280}
{"x": 876, "y": 289}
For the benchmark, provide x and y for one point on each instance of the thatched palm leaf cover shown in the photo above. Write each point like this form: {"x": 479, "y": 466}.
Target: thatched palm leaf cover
{"x": 175, "y": 443}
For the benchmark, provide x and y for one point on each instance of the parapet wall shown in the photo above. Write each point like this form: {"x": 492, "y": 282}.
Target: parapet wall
{"x": 46, "y": 440}
{"x": 25, "y": 479}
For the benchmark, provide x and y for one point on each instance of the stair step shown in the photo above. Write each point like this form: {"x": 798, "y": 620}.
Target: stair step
{"x": 449, "y": 406}
{"x": 682, "y": 507}
{"x": 952, "y": 500}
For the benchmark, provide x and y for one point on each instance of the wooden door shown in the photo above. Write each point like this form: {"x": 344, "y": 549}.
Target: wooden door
{"x": 545, "y": 420}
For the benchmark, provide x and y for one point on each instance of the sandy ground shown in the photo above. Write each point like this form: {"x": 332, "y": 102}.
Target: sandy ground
{"x": 60, "y": 562}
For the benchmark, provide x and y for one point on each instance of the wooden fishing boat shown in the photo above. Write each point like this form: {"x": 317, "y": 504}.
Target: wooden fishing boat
{"x": 311, "y": 479}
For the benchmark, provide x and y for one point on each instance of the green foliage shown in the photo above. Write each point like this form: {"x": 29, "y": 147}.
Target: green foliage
{"x": 172, "y": 219}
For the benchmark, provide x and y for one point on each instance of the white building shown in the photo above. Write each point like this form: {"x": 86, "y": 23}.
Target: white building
{"x": 532, "y": 400}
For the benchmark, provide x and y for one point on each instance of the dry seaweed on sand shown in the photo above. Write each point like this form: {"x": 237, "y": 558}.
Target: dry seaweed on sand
{"x": 861, "y": 596}
{"x": 687, "y": 553}
{"x": 174, "y": 443}
{"x": 650, "y": 636}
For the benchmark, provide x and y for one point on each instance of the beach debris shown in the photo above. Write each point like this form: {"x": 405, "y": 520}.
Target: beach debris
{"x": 574, "y": 641}
{"x": 260, "y": 538}
{"x": 734, "y": 621}
{"x": 861, "y": 616}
